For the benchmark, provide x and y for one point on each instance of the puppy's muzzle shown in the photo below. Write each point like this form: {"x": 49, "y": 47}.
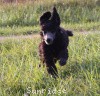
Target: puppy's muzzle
{"x": 49, "y": 41}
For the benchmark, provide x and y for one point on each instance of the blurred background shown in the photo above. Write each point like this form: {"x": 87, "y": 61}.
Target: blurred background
{"x": 24, "y": 15}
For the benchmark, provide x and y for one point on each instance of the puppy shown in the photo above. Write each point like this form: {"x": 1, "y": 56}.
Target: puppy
{"x": 54, "y": 42}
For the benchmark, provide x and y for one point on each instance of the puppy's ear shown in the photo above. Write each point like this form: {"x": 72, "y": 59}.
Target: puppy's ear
{"x": 55, "y": 17}
{"x": 45, "y": 17}
{"x": 69, "y": 33}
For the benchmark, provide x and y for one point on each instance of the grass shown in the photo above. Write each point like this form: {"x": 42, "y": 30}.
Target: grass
{"x": 19, "y": 71}
{"x": 25, "y": 30}
{"x": 19, "y": 18}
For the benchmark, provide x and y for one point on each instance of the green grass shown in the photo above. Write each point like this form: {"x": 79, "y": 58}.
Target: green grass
{"x": 19, "y": 71}
{"x": 25, "y": 30}
{"x": 23, "y": 18}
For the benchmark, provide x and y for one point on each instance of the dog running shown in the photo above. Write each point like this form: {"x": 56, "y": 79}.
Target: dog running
{"x": 54, "y": 42}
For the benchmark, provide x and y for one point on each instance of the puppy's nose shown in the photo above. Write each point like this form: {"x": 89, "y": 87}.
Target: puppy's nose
{"x": 48, "y": 40}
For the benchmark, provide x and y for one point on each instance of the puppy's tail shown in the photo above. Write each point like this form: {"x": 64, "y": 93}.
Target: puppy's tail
{"x": 69, "y": 33}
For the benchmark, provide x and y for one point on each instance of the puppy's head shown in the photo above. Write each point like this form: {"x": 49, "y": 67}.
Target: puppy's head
{"x": 49, "y": 22}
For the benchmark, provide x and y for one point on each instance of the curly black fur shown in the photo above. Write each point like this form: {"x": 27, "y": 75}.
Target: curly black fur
{"x": 49, "y": 54}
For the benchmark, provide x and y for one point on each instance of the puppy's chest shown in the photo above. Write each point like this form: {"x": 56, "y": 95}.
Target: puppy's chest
{"x": 57, "y": 47}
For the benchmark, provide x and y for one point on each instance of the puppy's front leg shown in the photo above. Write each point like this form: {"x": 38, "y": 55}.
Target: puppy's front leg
{"x": 51, "y": 68}
{"x": 63, "y": 56}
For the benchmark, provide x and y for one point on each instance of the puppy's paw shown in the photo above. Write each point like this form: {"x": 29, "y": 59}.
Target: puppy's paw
{"x": 62, "y": 61}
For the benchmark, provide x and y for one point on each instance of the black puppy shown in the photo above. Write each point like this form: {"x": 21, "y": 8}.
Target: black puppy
{"x": 54, "y": 41}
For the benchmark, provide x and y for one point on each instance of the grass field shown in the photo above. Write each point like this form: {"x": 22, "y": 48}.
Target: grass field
{"x": 19, "y": 60}
{"x": 19, "y": 72}
{"x": 23, "y": 18}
